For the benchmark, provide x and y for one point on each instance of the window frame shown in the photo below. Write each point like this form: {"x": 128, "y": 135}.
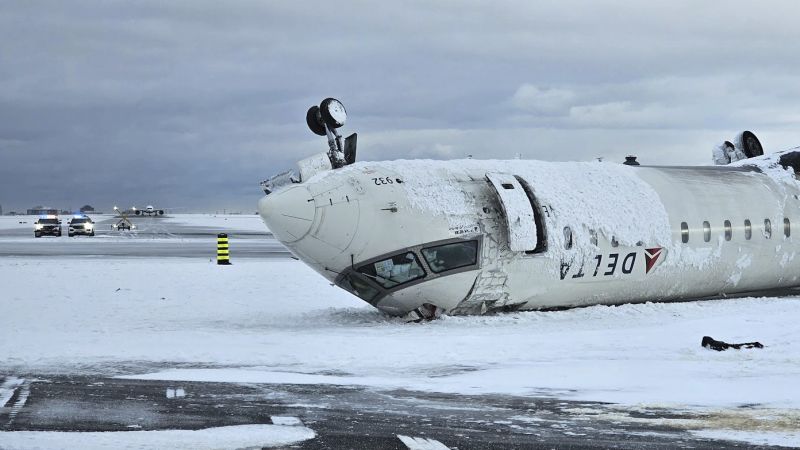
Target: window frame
{"x": 684, "y": 232}
{"x": 728, "y": 230}
{"x": 706, "y": 231}
{"x": 375, "y": 277}
{"x": 748, "y": 229}
{"x": 432, "y": 247}
{"x": 417, "y": 250}
{"x": 767, "y": 228}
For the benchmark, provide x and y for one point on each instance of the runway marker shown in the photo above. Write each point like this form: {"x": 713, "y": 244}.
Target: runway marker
{"x": 223, "y": 256}
{"x": 175, "y": 393}
{"x": 286, "y": 420}
{"x": 7, "y": 389}
{"x": 420, "y": 443}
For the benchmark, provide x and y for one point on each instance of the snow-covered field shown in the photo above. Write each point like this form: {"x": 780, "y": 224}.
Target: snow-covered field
{"x": 276, "y": 321}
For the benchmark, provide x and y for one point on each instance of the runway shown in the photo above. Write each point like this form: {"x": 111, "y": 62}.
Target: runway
{"x": 153, "y": 237}
{"x": 339, "y": 416}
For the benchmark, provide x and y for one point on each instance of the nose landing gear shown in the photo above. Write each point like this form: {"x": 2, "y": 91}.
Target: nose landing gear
{"x": 424, "y": 313}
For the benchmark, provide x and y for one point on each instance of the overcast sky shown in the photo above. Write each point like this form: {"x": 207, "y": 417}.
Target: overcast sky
{"x": 192, "y": 103}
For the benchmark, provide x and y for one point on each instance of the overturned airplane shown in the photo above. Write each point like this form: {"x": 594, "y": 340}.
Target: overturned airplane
{"x": 426, "y": 238}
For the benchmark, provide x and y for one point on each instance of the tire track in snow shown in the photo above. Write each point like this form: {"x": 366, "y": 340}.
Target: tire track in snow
{"x": 24, "y": 393}
{"x": 8, "y": 388}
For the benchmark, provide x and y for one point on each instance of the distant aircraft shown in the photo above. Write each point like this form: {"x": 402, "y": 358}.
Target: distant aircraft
{"x": 425, "y": 238}
{"x": 149, "y": 210}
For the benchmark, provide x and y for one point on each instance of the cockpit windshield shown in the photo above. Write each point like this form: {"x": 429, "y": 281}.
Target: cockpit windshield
{"x": 395, "y": 270}
{"x": 451, "y": 256}
{"x": 358, "y": 287}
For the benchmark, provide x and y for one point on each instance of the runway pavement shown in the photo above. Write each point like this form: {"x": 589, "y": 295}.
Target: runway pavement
{"x": 154, "y": 237}
{"x": 341, "y": 417}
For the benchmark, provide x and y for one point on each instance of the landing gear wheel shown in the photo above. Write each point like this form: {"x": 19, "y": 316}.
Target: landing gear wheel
{"x": 314, "y": 122}
{"x": 332, "y": 112}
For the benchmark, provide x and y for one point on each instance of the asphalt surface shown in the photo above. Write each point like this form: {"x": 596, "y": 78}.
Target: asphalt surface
{"x": 154, "y": 237}
{"x": 341, "y": 417}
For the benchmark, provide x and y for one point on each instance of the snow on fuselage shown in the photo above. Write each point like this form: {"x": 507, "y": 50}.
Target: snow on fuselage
{"x": 401, "y": 234}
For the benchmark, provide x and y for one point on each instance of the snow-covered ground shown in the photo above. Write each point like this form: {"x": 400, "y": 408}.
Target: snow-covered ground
{"x": 276, "y": 321}
{"x": 241, "y": 436}
{"x": 240, "y": 222}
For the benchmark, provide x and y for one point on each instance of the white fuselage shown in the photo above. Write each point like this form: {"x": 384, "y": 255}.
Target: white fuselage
{"x": 460, "y": 235}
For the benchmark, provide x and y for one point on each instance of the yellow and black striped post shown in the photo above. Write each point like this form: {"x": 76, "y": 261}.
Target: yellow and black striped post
{"x": 223, "y": 257}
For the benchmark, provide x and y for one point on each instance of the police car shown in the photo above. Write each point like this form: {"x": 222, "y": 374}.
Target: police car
{"x": 80, "y": 225}
{"x": 47, "y": 225}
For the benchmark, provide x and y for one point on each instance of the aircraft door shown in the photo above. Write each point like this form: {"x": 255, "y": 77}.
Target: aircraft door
{"x": 518, "y": 211}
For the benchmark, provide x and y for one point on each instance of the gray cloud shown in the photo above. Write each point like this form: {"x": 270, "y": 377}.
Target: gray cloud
{"x": 191, "y": 103}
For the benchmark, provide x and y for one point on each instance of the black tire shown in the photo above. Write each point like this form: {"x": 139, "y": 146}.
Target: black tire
{"x": 37, "y": 234}
{"x": 91, "y": 234}
{"x": 70, "y": 234}
{"x": 313, "y": 121}
{"x": 325, "y": 112}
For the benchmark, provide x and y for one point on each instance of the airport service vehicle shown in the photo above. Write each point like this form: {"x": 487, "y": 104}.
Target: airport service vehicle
{"x": 80, "y": 225}
{"x": 424, "y": 238}
{"x": 47, "y": 225}
{"x": 123, "y": 222}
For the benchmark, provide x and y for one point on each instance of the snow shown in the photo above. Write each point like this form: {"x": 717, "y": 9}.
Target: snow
{"x": 782, "y": 439}
{"x": 239, "y": 222}
{"x": 238, "y": 436}
{"x": 604, "y": 197}
{"x": 277, "y": 321}
{"x": 17, "y": 222}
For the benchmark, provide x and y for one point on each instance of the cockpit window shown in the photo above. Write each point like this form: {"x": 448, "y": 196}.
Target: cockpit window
{"x": 358, "y": 287}
{"x": 394, "y": 271}
{"x": 451, "y": 256}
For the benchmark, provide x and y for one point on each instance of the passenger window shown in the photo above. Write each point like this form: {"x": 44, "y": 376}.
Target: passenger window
{"x": 593, "y": 237}
{"x": 767, "y": 228}
{"x": 567, "y": 238}
{"x": 787, "y": 227}
{"x": 684, "y": 232}
{"x": 614, "y": 242}
{"x": 706, "y": 231}
{"x": 394, "y": 271}
{"x": 748, "y": 229}
{"x": 728, "y": 230}
{"x": 451, "y": 256}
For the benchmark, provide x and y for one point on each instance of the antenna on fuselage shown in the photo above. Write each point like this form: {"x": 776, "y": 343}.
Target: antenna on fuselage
{"x": 325, "y": 120}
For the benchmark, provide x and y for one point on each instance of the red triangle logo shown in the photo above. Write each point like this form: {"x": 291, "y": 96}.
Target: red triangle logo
{"x": 651, "y": 256}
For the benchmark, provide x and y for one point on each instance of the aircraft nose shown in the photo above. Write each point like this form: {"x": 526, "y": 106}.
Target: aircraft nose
{"x": 288, "y": 213}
